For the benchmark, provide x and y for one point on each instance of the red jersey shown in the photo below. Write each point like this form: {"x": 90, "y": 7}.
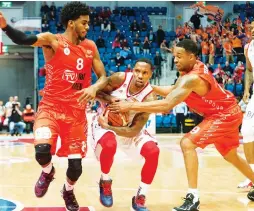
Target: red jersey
{"x": 216, "y": 101}
{"x": 67, "y": 72}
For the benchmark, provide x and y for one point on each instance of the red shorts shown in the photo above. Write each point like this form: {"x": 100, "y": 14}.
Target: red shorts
{"x": 222, "y": 130}
{"x": 68, "y": 123}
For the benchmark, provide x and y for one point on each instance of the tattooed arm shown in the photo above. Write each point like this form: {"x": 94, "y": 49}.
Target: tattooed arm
{"x": 114, "y": 81}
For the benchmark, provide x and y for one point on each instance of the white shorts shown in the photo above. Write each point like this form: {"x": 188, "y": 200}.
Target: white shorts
{"x": 129, "y": 145}
{"x": 248, "y": 122}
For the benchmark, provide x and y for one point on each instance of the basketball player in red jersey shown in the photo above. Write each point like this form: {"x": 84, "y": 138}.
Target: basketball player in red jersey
{"x": 222, "y": 116}
{"x": 69, "y": 58}
{"x": 133, "y": 86}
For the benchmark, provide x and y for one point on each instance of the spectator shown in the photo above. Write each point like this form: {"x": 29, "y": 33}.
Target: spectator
{"x": 219, "y": 79}
{"x": 125, "y": 53}
{"x": 248, "y": 9}
{"x": 237, "y": 46}
{"x": 180, "y": 111}
{"x": 119, "y": 35}
{"x": 9, "y": 103}
{"x": 228, "y": 69}
{"x": 164, "y": 49}
{"x": 209, "y": 68}
{"x": 108, "y": 12}
{"x": 211, "y": 52}
{"x": 205, "y": 51}
{"x": 28, "y": 117}
{"x": 125, "y": 44}
{"x": 238, "y": 73}
{"x": 134, "y": 26}
{"x": 116, "y": 44}
{"x": 16, "y": 121}
{"x": 53, "y": 7}
{"x": 103, "y": 14}
{"x": 157, "y": 64}
{"x": 119, "y": 60}
{"x": 160, "y": 35}
{"x": 105, "y": 26}
{"x": 59, "y": 27}
{"x": 52, "y": 16}
{"x": 129, "y": 69}
{"x": 16, "y": 100}
{"x": 136, "y": 45}
{"x": 44, "y": 8}
{"x": 195, "y": 19}
{"x": 45, "y": 26}
{"x": 146, "y": 46}
{"x": 218, "y": 70}
{"x": 112, "y": 26}
{"x": 143, "y": 25}
{"x": 100, "y": 42}
{"x": 45, "y": 18}
{"x": 151, "y": 36}
{"x": 229, "y": 50}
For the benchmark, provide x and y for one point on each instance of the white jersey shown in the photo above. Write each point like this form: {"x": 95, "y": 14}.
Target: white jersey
{"x": 250, "y": 54}
{"x": 247, "y": 129}
{"x": 123, "y": 93}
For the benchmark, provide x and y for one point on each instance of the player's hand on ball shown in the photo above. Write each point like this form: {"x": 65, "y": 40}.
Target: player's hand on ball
{"x": 114, "y": 99}
{"x": 3, "y": 23}
{"x": 246, "y": 97}
{"x": 103, "y": 121}
{"x": 87, "y": 94}
{"x": 121, "y": 106}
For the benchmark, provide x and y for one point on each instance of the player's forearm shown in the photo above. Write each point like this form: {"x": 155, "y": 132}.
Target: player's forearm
{"x": 162, "y": 90}
{"x": 158, "y": 106}
{"x": 101, "y": 83}
{"x": 164, "y": 106}
{"x": 248, "y": 80}
{"x": 123, "y": 131}
{"x": 103, "y": 97}
{"x": 19, "y": 37}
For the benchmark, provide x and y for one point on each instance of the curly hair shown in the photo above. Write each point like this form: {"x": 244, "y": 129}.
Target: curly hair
{"x": 72, "y": 11}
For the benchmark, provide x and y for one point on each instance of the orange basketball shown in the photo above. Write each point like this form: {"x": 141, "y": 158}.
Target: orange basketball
{"x": 117, "y": 119}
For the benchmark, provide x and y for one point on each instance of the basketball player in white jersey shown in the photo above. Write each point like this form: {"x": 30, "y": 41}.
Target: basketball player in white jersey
{"x": 126, "y": 86}
{"x": 248, "y": 120}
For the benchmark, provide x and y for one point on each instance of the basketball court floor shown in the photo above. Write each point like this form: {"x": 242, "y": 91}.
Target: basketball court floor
{"x": 217, "y": 180}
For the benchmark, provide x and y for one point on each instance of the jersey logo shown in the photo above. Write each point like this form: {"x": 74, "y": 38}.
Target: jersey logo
{"x": 67, "y": 51}
{"x": 89, "y": 54}
{"x": 70, "y": 76}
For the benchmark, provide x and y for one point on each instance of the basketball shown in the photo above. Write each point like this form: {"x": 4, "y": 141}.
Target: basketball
{"x": 117, "y": 119}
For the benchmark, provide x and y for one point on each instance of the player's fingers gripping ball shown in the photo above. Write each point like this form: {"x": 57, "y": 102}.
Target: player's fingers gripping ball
{"x": 117, "y": 119}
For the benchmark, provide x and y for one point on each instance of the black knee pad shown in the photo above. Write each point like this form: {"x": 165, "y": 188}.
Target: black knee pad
{"x": 74, "y": 169}
{"x": 43, "y": 154}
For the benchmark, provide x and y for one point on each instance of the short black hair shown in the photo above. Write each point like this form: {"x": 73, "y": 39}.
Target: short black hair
{"x": 189, "y": 46}
{"x": 72, "y": 11}
{"x": 148, "y": 61}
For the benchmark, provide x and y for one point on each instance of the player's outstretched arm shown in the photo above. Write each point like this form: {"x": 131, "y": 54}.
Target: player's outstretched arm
{"x": 162, "y": 90}
{"x": 114, "y": 81}
{"x": 248, "y": 78}
{"x": 181, "y": 91}
{"x": 21, "y": 38}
